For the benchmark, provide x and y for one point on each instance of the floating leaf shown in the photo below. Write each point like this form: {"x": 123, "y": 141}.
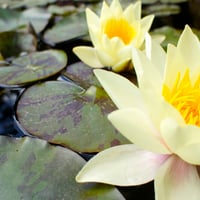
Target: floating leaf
{"x": 33, "y": 67}
{"x": 63, "y": 113}
{"x": 13, "y": 43}
{"x": 33, "y": 169}
{"x": 69, "y": 28}
{"x": 38, "y": 17}
{"x": 81, "y": 74}
{"x": 10, "y": 20}
{"x": 22, "y": 3}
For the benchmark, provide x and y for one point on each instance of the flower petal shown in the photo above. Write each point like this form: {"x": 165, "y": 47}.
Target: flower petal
{"x": 177, "y": 180}
{"x": 174, "y": 64}
{"x": 148, "y": 75}
{"x": 155, "y": 53}
{"x": 189, "y": 47}
{"x": 88, "y": 56}
{"x": 122, "y": 165}
{"x": 133, "y": 12}
{"x": 118, "y": 88}
{"x": 182, "y": 140}
{"x": 145, "y": 24}
{"x": 136, "y": 126}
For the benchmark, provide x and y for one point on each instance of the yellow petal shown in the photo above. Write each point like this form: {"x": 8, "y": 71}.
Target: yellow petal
{"x": 119, "y": 88}
{"x": 177, "y": 180}
{"x": 136, "y": 126}
{"x": 88, "y": 56}
{"x": 122, "y": 165}
{"x": 182, "y": 140}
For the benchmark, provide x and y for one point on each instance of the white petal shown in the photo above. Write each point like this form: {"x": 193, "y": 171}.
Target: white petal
{"x": 177, "y": 180}
{"x": 182, "y": 140}
{"x": 148, "y": 75}
{"x": 88, "y": 56}
{"x": 136, "y": 126}
{"x": 93, "y": 26}
{"x": 174, "y": 64}
{"x": 133, "y": 12}
{"x": 116, "y": 8}
{"x": 189, "y": 47}
{"x": 122, "y": 165}
{"x": 121, "y": 90}
{"x": 145, "y": 25}
{"x": 155, "y": 53}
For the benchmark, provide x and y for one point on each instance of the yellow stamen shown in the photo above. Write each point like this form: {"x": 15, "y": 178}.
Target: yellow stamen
{"x": 185, "y": 97}
{"x": 121, "y": 28}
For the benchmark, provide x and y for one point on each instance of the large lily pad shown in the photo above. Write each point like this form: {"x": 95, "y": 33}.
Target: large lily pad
{"x": 33, "y": 67}
{"x": 69, "y": 28}
{"x": 63, "y": 113}
{"x": 33, "y": 169}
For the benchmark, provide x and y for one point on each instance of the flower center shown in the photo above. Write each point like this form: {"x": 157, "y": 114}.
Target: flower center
{"x": 119, "y": 28}
{"x": 185, "y": 97}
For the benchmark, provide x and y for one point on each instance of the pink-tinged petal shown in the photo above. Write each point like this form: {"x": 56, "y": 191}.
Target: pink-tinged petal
{"x": 136, "y": 126}
{"x": 123, "y": 165}
{"x": 88, "y": 56}
{"x": 183, "y": 140}
{"x": 148, "y": 75}
{"x": 118, "y": 88}
{"x": 177, "y": 180}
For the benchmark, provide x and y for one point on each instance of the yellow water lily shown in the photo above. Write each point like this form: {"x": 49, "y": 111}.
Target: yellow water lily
{"x": 161, "y": 117}
{"x": 113, "y": 34}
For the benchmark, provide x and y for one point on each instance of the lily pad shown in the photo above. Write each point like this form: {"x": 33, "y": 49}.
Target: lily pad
{"x": 69, "y": 28}
{"x": 13, "y": 43}
{"x": 38, "y": 17}
{"x": 64, "y": 113}
{"x": 32, "y": 67}
{"x": 81, "y": 74}
{"x": 33, "y": 169}
{"x": 10, "y": 20}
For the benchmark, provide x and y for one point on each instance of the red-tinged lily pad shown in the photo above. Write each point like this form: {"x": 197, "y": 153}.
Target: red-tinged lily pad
{"x": 63, "y": 113}
{"x": 33, "y": 169}
{"x": 33, "y": 67}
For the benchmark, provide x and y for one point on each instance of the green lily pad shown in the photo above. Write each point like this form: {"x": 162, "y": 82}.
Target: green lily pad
{"x": 64, "y": 113}
{"x": 33, "y": 169}
{"x": 13, "y": 43}
{"x": 81, "y": 74}
{"x": 10, "y": 20}
{"x": 38, "y": 17}
{"x": 69, "y": 28}
{"x": 24, "y": 3}
{"x": 33, "y": 67}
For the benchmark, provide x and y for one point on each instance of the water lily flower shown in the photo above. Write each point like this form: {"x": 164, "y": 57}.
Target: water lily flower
{"x": 161, "y": 117}
{"x": 113, "y": 34}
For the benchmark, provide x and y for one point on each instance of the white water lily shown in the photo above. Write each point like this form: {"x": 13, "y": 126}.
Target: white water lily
{"x": 161, "y": 117}
{"x": 113, "y": 34}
